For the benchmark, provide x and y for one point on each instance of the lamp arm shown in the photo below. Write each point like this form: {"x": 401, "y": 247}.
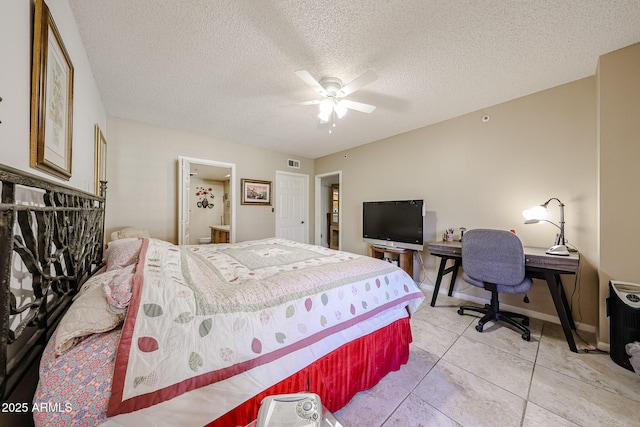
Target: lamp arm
{"x": 553, "y": 198}
{"x": 561, "y": 240}
{"x": 562, "y": 225}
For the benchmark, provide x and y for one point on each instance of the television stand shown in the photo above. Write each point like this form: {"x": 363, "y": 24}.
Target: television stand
{"x": 404, "y": 257}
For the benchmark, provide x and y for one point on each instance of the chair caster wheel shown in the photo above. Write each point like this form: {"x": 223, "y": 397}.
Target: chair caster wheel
{"x": 460, "y": 311}
{"x": 526, "y": 336}
{"x": 479, "y": 328}
{"x": 525, "y": 322}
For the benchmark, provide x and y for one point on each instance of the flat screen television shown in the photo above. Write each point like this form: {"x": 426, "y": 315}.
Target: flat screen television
{"x": 398, "y": 223}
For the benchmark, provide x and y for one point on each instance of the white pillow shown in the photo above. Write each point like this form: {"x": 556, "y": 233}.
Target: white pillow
{"x": 129, "y": 232}
{"x": 89, "y": 314}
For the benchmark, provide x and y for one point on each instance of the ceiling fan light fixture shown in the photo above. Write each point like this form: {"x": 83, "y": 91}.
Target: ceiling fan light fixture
{"x": 331, "y": 89}
{"x": 340, "y": 109}
{"x": 326, "y": 105}
{"x": 324, "y": 116}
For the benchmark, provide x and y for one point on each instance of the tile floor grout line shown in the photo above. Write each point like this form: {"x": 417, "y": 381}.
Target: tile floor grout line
{"x": 547, "y": 350}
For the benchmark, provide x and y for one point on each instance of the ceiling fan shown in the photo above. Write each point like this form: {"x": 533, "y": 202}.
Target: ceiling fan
{"x": 333, "y": 92}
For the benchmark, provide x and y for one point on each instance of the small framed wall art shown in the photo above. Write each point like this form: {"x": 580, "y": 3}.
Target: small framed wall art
{"x": 51, "y": 97}
{"x": 255, "y": 192}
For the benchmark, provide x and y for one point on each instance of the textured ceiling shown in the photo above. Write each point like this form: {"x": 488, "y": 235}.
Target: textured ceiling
{"x": 225, "y": 68}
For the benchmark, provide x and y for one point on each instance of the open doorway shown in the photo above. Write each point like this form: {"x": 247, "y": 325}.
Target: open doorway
{"x": 328, "y": 202}
{"x": 206, "y": 194}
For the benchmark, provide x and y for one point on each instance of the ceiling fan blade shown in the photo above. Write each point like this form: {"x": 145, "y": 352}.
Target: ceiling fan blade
{"x": 308, "y": 79}
{"x": 356, "y": 84}
{"x": 358, "y": 106}
{"x": 314, "y": 102}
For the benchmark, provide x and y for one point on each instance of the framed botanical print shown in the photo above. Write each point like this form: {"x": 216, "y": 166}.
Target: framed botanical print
{"x": 51, "y": 97}
{"x": 101, "y": 159}
{"x": 256, "y": 192}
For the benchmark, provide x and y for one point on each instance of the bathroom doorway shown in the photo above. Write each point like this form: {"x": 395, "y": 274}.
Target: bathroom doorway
{"x": 328, "y": 206}
{"x": 206, "y": 194}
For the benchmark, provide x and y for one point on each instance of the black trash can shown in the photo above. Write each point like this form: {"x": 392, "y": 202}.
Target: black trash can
{"x": 623, "y": 306}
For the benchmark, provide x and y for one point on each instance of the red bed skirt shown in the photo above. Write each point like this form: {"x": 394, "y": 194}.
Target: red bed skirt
{"x": 338, "y": 376}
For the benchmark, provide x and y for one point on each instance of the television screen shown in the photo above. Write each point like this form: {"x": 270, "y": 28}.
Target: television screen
{"x": 397, "y": 223}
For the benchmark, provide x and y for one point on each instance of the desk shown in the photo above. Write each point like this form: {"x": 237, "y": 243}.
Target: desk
{"x": 538, "y": 265}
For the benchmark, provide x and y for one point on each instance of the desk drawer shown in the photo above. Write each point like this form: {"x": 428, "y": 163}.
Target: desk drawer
{"x": 556, "y": 263}
{"x": 445, "y": 250}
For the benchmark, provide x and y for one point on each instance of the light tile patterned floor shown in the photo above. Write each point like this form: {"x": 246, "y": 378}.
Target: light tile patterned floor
{"x": 457, "y": 376}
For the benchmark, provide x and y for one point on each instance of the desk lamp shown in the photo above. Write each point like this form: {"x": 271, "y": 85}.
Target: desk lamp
{"x": 538, "y": 214}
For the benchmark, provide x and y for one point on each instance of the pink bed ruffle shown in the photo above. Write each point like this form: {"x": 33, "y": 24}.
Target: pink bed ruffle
{"x": 338, "y": 376}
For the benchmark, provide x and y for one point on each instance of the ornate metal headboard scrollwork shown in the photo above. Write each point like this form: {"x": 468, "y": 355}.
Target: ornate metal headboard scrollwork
{"x": 51, "y": 241}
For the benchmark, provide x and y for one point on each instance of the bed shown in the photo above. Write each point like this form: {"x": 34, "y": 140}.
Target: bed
{"x": 198, "y": 335}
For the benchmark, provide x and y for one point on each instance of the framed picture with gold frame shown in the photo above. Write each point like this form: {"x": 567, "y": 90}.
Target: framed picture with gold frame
{"x": 101, "y": 159}
{"x": 51, "y": 97}
{"x": 255, "y": 192}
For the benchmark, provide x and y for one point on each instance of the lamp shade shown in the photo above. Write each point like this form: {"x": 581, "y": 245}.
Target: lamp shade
{"x": 537, "y": 212}
{"x": 324, "y": 116}
{"x": 326, "y": 105}
{"x": 340, "y": 109}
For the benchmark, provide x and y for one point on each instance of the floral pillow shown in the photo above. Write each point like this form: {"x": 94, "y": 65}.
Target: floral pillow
{"x": 117, "y": 290}
{"x": 89, "y": 314}
{"x": 122, "y": 253}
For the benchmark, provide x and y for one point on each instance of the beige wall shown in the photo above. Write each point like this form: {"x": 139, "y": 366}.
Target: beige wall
{"x": 476, "y": 174}
{"x": 619, "y": 171}
{"x": 142, "y": 171}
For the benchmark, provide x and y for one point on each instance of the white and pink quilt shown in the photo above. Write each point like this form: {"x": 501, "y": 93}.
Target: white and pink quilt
{"x": 201, "y": 314}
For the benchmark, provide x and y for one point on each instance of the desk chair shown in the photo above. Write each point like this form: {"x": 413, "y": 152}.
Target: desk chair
{"x": 494, "y": 260}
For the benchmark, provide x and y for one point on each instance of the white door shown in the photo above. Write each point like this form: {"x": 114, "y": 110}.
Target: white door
{"x": 183, "y": 195}
{"x": 292, "y": 212}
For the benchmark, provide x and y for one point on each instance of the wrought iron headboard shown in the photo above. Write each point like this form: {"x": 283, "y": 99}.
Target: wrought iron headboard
{"x": 51, "y": 241}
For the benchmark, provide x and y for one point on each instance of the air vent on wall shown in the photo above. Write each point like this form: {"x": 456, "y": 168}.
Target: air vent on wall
{"x": 293, "y": 163}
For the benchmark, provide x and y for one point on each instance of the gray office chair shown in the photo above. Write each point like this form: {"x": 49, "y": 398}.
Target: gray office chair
{"x": 494, "y": 260}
